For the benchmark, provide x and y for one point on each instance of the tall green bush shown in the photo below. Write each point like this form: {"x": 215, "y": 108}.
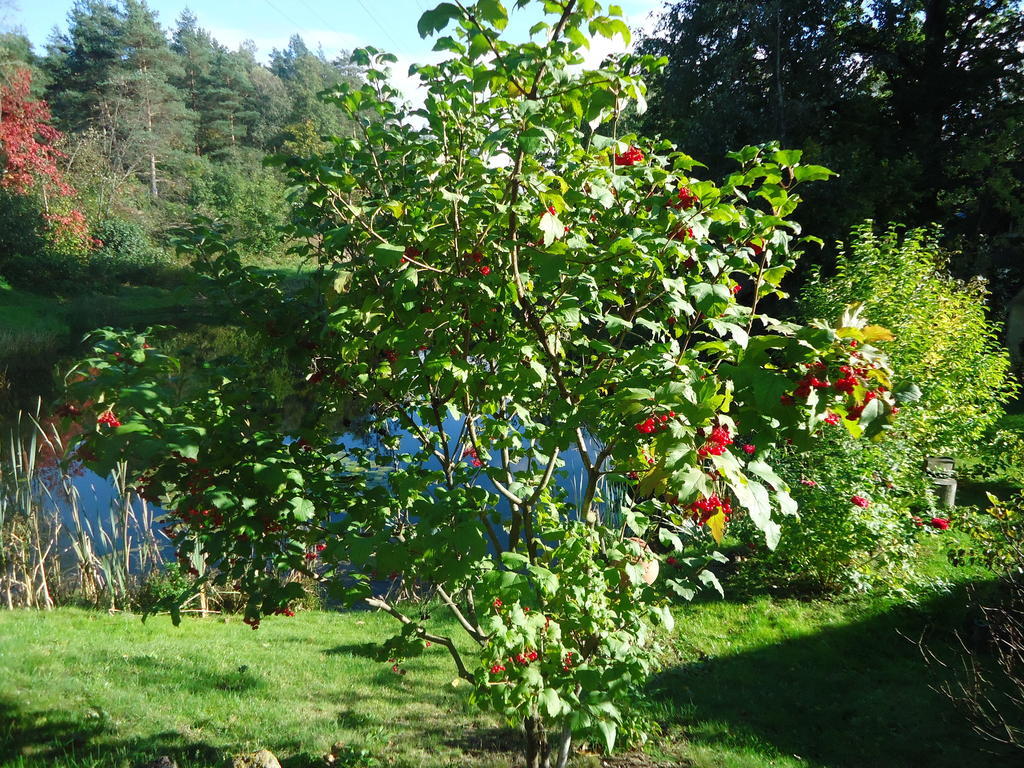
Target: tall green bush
{"x": 251, "y": 198}
{"x": 944, "y": 340}
{"x": 126, "y": 255}
{"x": 945, "y": 343}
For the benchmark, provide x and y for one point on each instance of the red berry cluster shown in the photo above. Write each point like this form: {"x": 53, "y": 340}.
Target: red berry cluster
{"x": 202, "y": 518}
{"x": 523, "y": 659}
{"x": 411, "y": 252}
{"x": 497, "y": 603}
{"x": 395, "y": 668}
{"x": 631, "y": 156}
{"x": 686, "y": 199}
{"x": 284, "y": 612}
{"x": 717, "y": 443}
{"x": 860, "y": 501}
{"x": 474, "y": 459}
{"x": 318, "y": 549}
{"x": 109, "y": 419}
{"x": 704, "y": 509}
{"x": 567, "y": 661}
{"x": 682, "y": 234}
{"x": 654, "y": 423}
{"x": 497, "y": 669}
{"x": 811, "y": 381}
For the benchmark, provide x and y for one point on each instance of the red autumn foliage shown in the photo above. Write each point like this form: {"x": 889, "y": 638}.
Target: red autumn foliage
{"x": 27, "y": 140}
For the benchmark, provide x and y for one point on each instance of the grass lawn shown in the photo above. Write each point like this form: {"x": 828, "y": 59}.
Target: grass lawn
{"x": 767, "y": 682}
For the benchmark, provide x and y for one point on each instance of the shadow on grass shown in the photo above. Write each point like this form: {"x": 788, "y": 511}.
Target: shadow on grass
{"x": 361, "y": 650}
{"x": 489, "y": 742}
{"x": 853, "y": 696}
{"x": 54, "y": 738}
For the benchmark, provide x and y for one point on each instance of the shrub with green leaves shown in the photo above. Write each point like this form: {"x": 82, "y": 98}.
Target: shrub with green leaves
{"x": 125, "y": 254}
{"x": 855, "y": 529}
{"x": 506, "y": 289}
{"x": 251, "y": 198}
{"x": 942, "y": 341}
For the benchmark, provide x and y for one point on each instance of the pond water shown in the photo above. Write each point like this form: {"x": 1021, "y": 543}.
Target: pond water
{"x": 85, "y": 503}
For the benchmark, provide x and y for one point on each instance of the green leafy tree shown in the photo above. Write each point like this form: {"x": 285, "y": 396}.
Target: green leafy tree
{"x": 217, "y": 85}
{"x": 112, "y": 72}
{"x": 196, "y": 50}
{"x": 505, "y": 290}
{"x": 267, "y": 104}
{"x": 146, "y": 109}
{"x": 306, "y": 74}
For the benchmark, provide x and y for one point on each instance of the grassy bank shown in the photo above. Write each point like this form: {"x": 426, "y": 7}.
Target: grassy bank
{"x": 748, "y": 684}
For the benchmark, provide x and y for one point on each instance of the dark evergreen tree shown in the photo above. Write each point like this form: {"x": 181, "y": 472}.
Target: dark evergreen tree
{"x": 80, "y": 63}
{"x": 196, "y": 50}
{"x": 916, "y": 103}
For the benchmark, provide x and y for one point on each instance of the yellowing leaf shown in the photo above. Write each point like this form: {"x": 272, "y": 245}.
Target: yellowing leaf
{"x": 877, "y": 333}
{"x": 716, "y": 523}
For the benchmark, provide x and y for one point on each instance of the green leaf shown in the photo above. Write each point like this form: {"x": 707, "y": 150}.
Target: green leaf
{"x": 551, "y": 227}
{"x": 478, "y": 46}
{"x": 127, "y": 429}
{"x": 907, "y": 392}
{"x": 787, "y": 157}
{"x": 493, "y": 12}
{"x": 437, "y": 19}
{"x": 546, "y": 580}
{"x": 608, "y": 731}
{"x": 513, "y": 560}
{"x": 708, "y": 579}
{"x": 387, "y": 255}
{"x": 532, "y": 140}
{"x": 812, "y": 173}
{"x": 552, "y": 702}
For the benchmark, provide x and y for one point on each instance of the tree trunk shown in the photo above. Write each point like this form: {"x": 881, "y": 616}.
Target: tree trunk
{"x": 153, "y": 191}
{"x": 536, "y": 743}
{"x": 564, "y": 747}
{"x": 780, "y": 107}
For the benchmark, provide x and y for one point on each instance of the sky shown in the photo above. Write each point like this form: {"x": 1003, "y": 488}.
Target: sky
{"x": 334, "y": 25}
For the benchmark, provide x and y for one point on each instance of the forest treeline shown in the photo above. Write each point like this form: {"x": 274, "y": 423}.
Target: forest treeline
{"x": 917, "y": 104}
{"x": 156, "y": 125}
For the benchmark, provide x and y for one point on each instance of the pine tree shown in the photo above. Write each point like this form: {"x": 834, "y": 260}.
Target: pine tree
{"x": 196, "y": 49}
{"x": 150, "y": 112}
{"x": 80, "y": 63}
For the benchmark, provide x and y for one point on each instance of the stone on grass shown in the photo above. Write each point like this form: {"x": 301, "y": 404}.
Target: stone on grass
{"x": 161, "y": 762}
{"x": 262, "y": 759}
